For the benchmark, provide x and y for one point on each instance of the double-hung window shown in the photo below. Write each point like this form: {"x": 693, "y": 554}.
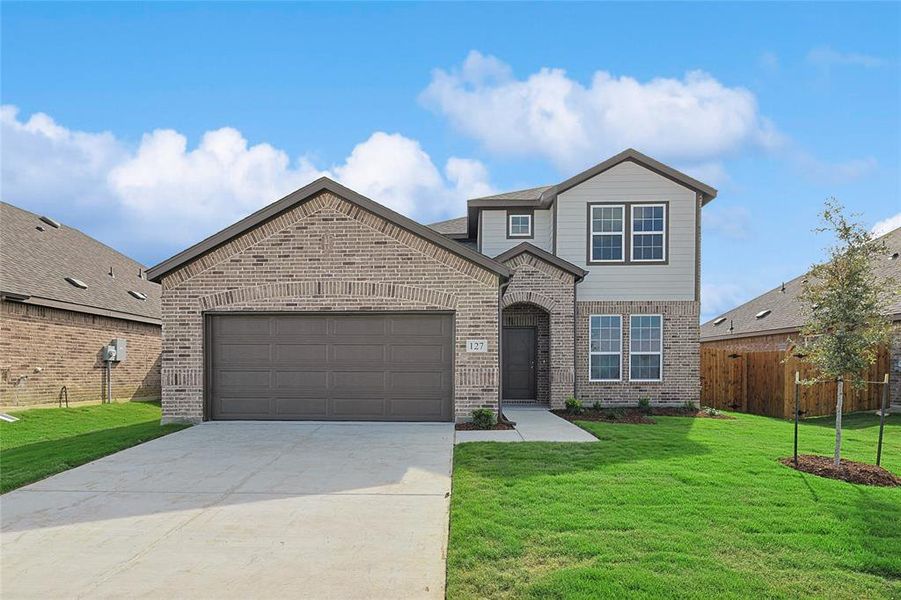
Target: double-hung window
{"x": 607, "y": 232}
{"x": 648, "y": 233}
{"x": 519, "y": 225}
{"x": 645, "y": 347}
{"x": 605, "y": 347}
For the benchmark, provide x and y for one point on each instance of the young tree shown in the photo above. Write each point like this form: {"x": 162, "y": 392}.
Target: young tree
{"x": 842, "y": 296}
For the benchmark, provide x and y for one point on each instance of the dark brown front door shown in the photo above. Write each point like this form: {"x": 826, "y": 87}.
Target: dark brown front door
{"x": 295, "y": 366}
{"x": 519, "y": 363}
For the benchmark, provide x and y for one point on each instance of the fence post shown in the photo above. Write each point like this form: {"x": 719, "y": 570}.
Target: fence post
{"x": 881, "y": 419}
{"x": 797, "y": 409}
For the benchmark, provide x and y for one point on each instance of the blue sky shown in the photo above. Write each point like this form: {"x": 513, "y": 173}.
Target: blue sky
{"x": 150, "y": 126}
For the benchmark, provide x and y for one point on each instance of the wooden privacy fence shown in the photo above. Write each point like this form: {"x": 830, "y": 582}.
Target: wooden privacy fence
{"x": 762, "y": 383}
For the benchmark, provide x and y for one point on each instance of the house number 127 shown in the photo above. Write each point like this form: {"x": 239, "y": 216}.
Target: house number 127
{"x": 477, "y": 345}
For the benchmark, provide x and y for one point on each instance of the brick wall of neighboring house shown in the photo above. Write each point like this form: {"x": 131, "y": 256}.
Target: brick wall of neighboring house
{"x": 328, "y": 254}
{"x": 895, "y": 371}
{"x": 529, "y": 315}
{"x": 541, "y": 284}
{"x": 53, "y": 348}
{"x": 757, "y": 343}
{"x": 681, "y": 356}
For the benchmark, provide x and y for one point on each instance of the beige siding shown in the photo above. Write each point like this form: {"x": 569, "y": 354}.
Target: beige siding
{"x": 494, "y": 232}
{"x": 629, "y": 182}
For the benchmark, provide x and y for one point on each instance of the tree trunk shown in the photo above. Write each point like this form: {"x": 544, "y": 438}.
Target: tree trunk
{"x": 838, "y": 421}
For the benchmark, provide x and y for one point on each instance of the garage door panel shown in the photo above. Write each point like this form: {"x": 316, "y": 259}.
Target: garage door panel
{"x": 388, "y": 367}
{"x": 293, "y": 353}
{"x": 358, "y": 353}
{"x": 243, "y": 378}
{"x": 422, "y": 354}
{"x": 241, "y": 325}
{"x": 306, "y": 380}
{"x": 301, "y": 408}
{"x": 238, "y": 353}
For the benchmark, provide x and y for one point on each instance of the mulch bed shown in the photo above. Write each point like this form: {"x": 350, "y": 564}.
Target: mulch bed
{"x": 849, "y": 470}
{"x": 474, "y": 427}
{"x": 635, "y": 416}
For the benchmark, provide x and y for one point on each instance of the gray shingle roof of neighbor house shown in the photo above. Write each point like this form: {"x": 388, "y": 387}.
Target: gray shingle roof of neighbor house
{"x": 544, "y": 196}
{"x": 157, "y": 272}
{"x": 451, "y": 227}
{"x": 786, "y": 311}
{"x": 526, "y": 247}
{"x": 37, "y": 255}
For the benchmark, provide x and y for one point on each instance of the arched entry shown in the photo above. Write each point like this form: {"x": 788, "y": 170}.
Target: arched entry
{"x": 525, "y": 372}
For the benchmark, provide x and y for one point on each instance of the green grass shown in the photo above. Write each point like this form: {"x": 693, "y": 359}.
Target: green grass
{"x": 686, "y": 508}
{"x": 47, "y": 441}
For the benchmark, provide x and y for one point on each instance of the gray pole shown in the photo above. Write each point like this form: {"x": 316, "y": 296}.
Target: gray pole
{"x": 797, "y": 411}
{"x": 882, "y": 419}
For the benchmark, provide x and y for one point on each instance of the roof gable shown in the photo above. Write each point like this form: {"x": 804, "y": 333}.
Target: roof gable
{"x": 157, "y": 272}
{"x": 527, "y": 248}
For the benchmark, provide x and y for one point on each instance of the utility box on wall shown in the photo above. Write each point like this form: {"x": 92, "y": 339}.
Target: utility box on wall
{"x": 121, "y": 349}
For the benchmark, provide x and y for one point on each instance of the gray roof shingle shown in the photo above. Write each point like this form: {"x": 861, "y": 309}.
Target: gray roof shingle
{"x": 36, "y": 263}
{"x": 451, "y": 226}
{"x": 786, "y": 309}
{"x": 528, "y": 194}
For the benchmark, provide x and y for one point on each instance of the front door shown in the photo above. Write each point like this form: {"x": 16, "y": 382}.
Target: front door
{"x": 519, "y": 363}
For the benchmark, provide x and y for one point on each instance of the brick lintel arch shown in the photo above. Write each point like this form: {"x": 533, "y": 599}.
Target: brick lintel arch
{"x": 530, "y": 297}
{"x": 329, "y": 288}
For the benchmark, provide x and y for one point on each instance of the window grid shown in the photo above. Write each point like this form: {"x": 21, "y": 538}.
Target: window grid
{"x": 608, "y": 233}
{"x": 605, "y": 347}
{"x": 520, "y": 225}
{"x": 648, "y": 233}
{"x": 646, "y": 347}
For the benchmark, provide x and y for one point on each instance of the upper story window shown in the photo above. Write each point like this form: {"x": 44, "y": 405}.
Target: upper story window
{"x": 607, "y": 231}
{"x": 519, "y": 225}
{"x": 648, "y": 232}
{"x": 645, "y": 347}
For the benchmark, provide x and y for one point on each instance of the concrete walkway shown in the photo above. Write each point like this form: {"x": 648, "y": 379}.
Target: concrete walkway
{"x": 240, "y": 510}
{"x": 532, "y": 425}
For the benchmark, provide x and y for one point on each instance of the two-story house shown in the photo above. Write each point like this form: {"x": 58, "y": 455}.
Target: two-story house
{"x": 327, "y": 305}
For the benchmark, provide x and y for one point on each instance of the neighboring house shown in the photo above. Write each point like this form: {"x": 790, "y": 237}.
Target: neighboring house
{"x": 63, "y": 297}
{"x": 771, "y": 321}
{"x": 327, "y": 305}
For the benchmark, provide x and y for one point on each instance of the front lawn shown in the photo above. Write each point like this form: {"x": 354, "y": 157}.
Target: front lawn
{"x": 46, "y": 441}
{"x": 690, "y": 508}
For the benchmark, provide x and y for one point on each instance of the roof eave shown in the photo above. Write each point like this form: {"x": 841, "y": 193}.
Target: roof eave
{"x": 526, "y": 247}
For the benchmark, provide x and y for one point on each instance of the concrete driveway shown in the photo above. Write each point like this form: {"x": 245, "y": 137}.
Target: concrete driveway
{"x": 240, "y": 510}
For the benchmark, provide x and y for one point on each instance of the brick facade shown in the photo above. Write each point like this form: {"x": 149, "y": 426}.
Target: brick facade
{"x": 43, "y": 349}
{"x": 328, "y": 254}
{"x": 538, "y": 283}
{"x": 681, "y": 357}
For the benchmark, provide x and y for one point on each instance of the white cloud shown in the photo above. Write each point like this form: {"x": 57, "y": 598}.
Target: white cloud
{"x": 825, "y": 58}
{"x": 164, "y": 194}
{"x": 821, "y": 171}
{"x": 733, "y": 222}
{"x": 884, "y": 226}
{"x": 717, "y": 298}
{"x": 695, "y": 119}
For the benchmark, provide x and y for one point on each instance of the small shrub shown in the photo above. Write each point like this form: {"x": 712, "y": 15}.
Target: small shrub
{"x": 689, "y": 405}
{"x": 573, "y": 405}
{"x": 710, "y": 411}
{"x": 597, "y": 406}
{"x": 644, "y": 405}
{"x": 484, "y": 418}
{"x": 614, "y": 414}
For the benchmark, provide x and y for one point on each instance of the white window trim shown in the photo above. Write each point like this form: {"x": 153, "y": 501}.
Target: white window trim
{"x": 622, "y": 235}
{"x": 646, "y": 353}
{"x": 619, "y": 354}
{"x": 510, "y": 225}
{"x": 633, "y": 233}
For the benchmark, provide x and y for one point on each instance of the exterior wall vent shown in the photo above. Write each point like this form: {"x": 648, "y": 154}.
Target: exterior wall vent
{"x": 77, "y": 283}
{"x": 138, "y": 295}
{"x": 762, "y": 314}
{"x": 51, "y": 222}
{"x": 719, "y": 321}
{"x": 894, "y": 256}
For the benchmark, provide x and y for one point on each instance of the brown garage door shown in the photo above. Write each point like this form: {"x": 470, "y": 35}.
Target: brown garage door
{"x": 374, "y": 367}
